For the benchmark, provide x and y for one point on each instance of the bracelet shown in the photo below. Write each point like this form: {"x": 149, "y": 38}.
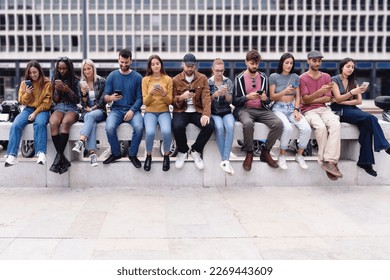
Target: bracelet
{"x": 297, "y": 109}
{"x": 351, "y": 93}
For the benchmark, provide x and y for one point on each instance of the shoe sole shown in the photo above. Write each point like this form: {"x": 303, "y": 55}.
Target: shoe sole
{"x": 75, "y": 150}
{"x": 331, "y": 176}
{"x": 334, "y": 173}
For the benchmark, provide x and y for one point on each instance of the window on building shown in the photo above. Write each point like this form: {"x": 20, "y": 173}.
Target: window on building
{"x": 92, "y": 22}
{"x": 146, "y": 23}
{"x": 309, "y": 5}
{"x": 255, "y": 42}
{"x": 272, "y": 23}
{"x": 379, "y": 44}
{"x": 290, "y": 23}
{"x": 164, "y": 43}
{"x": 56, "y": 43}
{"x": 210, "y": 24}
{"x": 56, "y": 22}
{"x": 110, "y": 22}
{"x": 325, "y": 45}
{"x": 101, "y": 23}
{"x": 92, "y": 4}
{"x": 173, "y": 4}
{"x": 218, "y": 43}
{"x": 282, "y": 47}
{"x": 101, "y": 5}
{"x": 344, "y": 44}
{"x": 65, "y": 4}
{"x": 326, "y": 5}
{"x": 20, "y": 22}
{"x": 255, "y": 5}
{"x": 119, "y": 23}
{"x": 388, "y": 23}
{"x": 2, "y": 22}
{"x": 65, "y": 22}
{"x": 318, "y": 25}
{"x": 335, "y": 5}
{"x": 352, "y": 44}
{"x": 164, "y": 22}
{"x": 65, "y": 43}
{"x": 388, "y": 44}
{"x": 309, "y": 23}
{"x": 237, "y": 23}
{"x": 210, "y": 43}
{"x": 380, "y": 23}
{"x": 272, "y": 44}
{"x": 3, "y": 44}
{"x": 245, "y": 43}
{"x": 200, "y": 43}
{"x": 183, "y": 43}
{"x": 191, "y": 6}
{"x": 129, "y": 43}
{"x": 174, "y": 22}
{"x": 129, "y": 5}
{"x": 30, "y": 43}
{"x": 92, "y": 43}
{"x": 228, "y": 43}
{"x": 237, "y": 4}
{"x": 326, "y": 24}
{"x": 245, "y": 22}
{"x": 110, "y": 43}
{"x": 335, "y": 23}
{"x": 344, "y": 5}
{"x": 371, "y": 43}
{"x": 353, "y": 5}
{"x": 47, "y": 43}
{"x": 255, "y": 23}
{"x": 218, "y": 25}
{"x": 38, "y": 43}
{"x": 317, "y": 43}
{"x": 173, "y": 44}
{"x": 228, "y": 22}
{"x": 362, "y": 24}
{"x": 335, "y": 44}
{"x": 119, "y": 42}
{"x": 74, "y": 43}
{"x": 299, "y": 44}
{"x": 362, "y": 44}
{"x": 282, "y": 23}
{"x": 237, "y": 44}
{"x": 101, "y": 43}
{"x": 183, "y": 23}
{"x": 309, "y": 43}
{"x": 137, "y": 43}
{"x": 228, "y": 4}
{"x": 29, "y": 19}
{"x": 344, "y": 23}
{"x": 263, "y": 44}
{"x": 299, "y": 23}
{"x": 371, "y": 23}
{"x": 290, "y": 44}
{"x": 353, "y": 23}
{"x": 11, "y": 43}
{"x": 192, "y": 23}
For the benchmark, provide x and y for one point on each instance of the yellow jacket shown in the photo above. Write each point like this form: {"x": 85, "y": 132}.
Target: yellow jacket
{"x": 156, "y": 103}
{"x": 40, "y": 98}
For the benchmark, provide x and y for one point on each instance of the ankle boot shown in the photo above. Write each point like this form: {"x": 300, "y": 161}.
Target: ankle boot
{"x": 55, "y": 167}
{"x": 64, "y": 165}
{"x": 248, "y": 161}
{"x": 166, "y": 163}
{"x": 148, "y": 163}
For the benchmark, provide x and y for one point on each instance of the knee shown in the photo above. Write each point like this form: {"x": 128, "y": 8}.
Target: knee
{"x": 248, "y": 125}
{"x": 110, "y": 128}
{"x": 287, "y": 127}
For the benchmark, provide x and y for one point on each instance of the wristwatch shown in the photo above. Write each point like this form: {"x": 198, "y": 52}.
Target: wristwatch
{"x": 297, "y": 109}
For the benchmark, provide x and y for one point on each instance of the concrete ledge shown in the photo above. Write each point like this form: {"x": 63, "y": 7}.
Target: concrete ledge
{"x": 122, "y": 173}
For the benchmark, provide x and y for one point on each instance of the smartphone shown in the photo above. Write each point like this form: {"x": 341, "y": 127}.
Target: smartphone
{"x": 157, "y": 86}
{"x": 260, "y": 92}
{"x": 365, "y": 84}
{"x": 83, "y": 83}
{"x": 118, "y": 91}
{"x": 58, "y": 82}
{"x": 28, "y": 83}
{"x": 192, "y": 90}
{"x": 331, "y": 84}
{"x": 295, "y": 85}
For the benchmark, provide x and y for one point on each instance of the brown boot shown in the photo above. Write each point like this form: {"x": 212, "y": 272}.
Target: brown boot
{"x": 248, "y": 161}
{"x": 266, "y": 157}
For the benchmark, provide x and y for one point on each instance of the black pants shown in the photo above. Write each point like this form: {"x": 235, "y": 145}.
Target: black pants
{"x": 179, "y": 125}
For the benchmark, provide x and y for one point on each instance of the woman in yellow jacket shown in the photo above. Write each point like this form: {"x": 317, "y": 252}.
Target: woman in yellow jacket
{"x": 157, "y": 96}
{"x": 35, "y": 93}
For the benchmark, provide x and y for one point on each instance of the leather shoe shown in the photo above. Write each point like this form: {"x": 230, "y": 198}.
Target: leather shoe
{"x": 387, "y": 151}
{"x": 331, "y": 168}
{"x": 166, "y": 163}
{"x": 148, "y": 163}
{"x": 55, "y": 167}
{"x": 331, "y": 176}
{"x": 368, "y": 168}
{"x": 135, "y": 161}
{"x": 266, "y": 157}
{"x": 248, "y": 161}
{"x": 111, "y": 158}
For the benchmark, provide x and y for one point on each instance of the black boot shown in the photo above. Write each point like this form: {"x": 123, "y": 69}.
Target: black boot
{"x": 166, "y": 163}
{"x": 148, "y": 162}
{"x": 55, "y": 167}
{"x": 65, "y": 164}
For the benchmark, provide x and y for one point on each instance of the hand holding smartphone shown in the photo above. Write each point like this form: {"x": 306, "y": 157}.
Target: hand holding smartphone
{"x": 365, "y": 84}
{"x": 28, "y": 83}
{"x": 118, "y": 92}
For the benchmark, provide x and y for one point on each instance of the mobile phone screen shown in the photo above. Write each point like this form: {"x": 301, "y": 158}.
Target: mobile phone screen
{"x": 28, "y": 83}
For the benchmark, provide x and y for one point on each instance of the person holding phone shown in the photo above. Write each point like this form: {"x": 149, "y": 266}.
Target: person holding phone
{"x": 66, "y": 96}
{"x": 251, "y": 105}
{"x": 157, "y": 96}
{"x": 221, "y": 90}
{"x": 347, "y": 94}
{"x": 126, "y": 107}
{"x": 316, "y": 91}
{"x": 35, "y": 94}
{"x": 93, "y": 108}
{"x": 284, "y": 91}
{"x": 191, "y": 104}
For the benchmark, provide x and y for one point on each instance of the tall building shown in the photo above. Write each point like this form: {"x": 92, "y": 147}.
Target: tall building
{"x": 46, "y": 29}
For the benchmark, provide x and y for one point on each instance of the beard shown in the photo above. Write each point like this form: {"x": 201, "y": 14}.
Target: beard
{"x": 189, "y": 72}
{"x": 125, "y": 68}
{"x": 252, "y": 70}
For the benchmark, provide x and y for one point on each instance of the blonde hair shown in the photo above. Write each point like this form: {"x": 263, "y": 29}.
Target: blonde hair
{"x": 218, "y": 61}
{"x": 90, "y": 63}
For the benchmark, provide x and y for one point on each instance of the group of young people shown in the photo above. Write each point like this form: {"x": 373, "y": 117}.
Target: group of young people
{"x": 280, "y": 101}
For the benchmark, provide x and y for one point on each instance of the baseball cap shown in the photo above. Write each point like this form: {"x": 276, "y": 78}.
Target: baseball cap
{"x": 314, "y": 54}
{"x": 189, "y": 59}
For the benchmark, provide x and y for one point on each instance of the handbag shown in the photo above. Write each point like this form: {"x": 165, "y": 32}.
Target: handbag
{"x": 220, "y": 107}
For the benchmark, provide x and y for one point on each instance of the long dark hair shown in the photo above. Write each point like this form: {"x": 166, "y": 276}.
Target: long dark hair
{"x": 71, "y": 75}
{"x": 35, "y": 64}
{"x": 149, "y": 67}
{"x": 281, "y": 61}
{"x": 351, "y": 78}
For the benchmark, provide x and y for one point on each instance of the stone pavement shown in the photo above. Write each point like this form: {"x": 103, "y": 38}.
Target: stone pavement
{"x": 270, "y": 223}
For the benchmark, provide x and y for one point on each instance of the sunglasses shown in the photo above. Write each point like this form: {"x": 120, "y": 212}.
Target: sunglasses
{"x": 63, "y": 58}
{"x": 253, "y": 82}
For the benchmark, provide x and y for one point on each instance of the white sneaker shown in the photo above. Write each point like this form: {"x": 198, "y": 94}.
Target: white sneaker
{"x": 180, "y": 159}
{"x": 11, "y": 160}
{"x": 282, "y": 162}
{"x": 225, "y": 165}
{"x": 78, "y": 146}
{"x": 197, "y": 159}
{"x": 41, "y": 158}
{"x": 301, "y": 160}
{"x": 93, "y": 158}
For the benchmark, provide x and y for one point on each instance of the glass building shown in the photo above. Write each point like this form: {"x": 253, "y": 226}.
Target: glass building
{"x": 46, "y": 29}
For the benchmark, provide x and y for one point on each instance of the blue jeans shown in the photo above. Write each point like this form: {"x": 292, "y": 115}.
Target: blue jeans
{"x": 150, "y": 122}
{"x": 369, "y": 129}
{"x": 224, "y": 132}
{"x": 40, "y": 131}
{"x": 285, "y": 112}
{"x": 114, "y": 119}
{"x": 89, "y": 129}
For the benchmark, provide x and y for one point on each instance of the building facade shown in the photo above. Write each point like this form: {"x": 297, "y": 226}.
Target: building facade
{"x": 46, "y": 29}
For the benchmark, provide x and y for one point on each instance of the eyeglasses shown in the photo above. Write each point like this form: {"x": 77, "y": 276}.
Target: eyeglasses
{"x": 253, "y": 82}
{"x": 219, "y": 70}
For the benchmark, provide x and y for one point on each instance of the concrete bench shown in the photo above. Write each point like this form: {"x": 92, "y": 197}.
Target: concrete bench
{"x": 124, "y": 174}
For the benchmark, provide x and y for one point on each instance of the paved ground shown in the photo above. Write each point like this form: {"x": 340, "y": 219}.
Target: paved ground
{"x": 268, "y": 223}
